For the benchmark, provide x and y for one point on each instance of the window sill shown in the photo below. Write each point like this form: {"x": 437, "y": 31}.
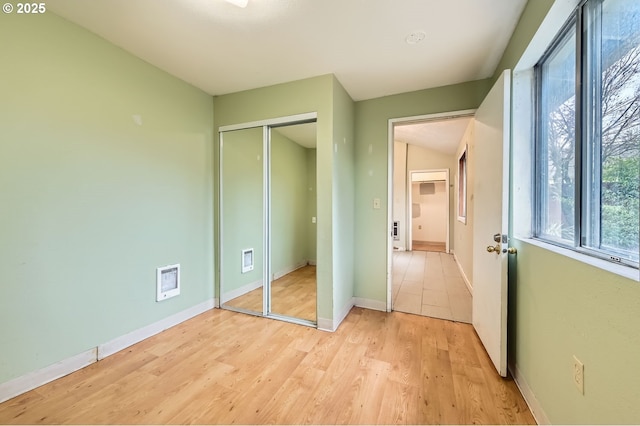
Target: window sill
{"x": 621, "y": 270}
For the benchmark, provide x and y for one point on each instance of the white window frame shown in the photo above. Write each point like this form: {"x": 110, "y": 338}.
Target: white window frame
{"x": 574, "y": 23}
{"x": 523, "y": 123}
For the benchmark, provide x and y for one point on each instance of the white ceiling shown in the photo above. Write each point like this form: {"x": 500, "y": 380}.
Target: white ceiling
{"x": 302, "y": 134}
{"x": 221, "y": 48}
{"x": 442, "y": 135}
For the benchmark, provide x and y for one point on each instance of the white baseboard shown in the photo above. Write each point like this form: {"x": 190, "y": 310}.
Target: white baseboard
{"x": 122, "y": 342}
{"x": 375, "y": 305}
{"x": 464, "y": 276}
{"x": 312, "y": 262}
{"x": 230, "y": 295}
{"x": 289, "y": 270}
{"x": 534, "y": 405}
{"x": 37, "y": 378}
{"x": 32, "y": 380}
{"x": 343, "y": 314}
{"x": 327, "y": 324}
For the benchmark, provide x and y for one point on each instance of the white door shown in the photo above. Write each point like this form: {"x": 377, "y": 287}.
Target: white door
{"x": 490, "y": 216}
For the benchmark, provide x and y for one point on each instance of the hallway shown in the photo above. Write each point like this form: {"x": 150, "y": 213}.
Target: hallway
{"x": 430, "y": 284}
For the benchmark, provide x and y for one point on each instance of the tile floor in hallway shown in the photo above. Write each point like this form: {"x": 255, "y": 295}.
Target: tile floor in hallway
{"x": 430, "y": 284}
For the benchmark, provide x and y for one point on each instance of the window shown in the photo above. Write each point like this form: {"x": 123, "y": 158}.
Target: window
{"x": 462, "y": 187}
{"x": 588, "y": 133}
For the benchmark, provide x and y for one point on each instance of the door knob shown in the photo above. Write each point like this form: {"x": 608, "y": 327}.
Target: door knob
{"x": 512, "y": 250}
{"x": 494, "y": 249}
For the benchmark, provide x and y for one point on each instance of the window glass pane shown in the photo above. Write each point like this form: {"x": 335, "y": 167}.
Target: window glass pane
{"x": 612, "y": 127}
{"x": 556, "y": 149}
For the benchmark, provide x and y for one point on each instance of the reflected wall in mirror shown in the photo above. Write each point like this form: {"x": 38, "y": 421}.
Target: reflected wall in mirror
{"x": 293, "y": 224}
{"x": 242, "y": 220}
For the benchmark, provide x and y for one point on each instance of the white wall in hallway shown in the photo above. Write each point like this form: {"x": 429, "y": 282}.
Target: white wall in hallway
{"x": 431, "y": 225}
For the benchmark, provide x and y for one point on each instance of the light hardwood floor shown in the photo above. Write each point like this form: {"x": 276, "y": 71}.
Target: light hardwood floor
{"x": 293, "y": 295}
{"x": 226, "y": 367}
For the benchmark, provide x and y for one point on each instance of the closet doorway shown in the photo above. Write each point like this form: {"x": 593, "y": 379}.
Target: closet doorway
{"x": 268, "y": 218}
{"x": 428, "y": 204}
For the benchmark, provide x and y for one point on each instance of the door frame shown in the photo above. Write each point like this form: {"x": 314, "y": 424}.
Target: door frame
{"x": 409, "y": 205}
{"x": 392, "y": 122}
{"x": 266, "y": 126}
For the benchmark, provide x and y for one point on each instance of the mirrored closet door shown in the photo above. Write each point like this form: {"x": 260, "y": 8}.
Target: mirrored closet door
{"x": 268, "y": 220}
{"x": 293, "y": 220}
{"x": 242, "y": 231}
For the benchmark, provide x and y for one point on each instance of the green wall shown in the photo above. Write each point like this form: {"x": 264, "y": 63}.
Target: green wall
{"x": 91, "y": 202}
{"x": 343, "y": 200}
{"x": 372, "y": 118}
{"x": 560, "y": 307}
{"x": 242, "y": 209}
{"x": 533, "y": 14}
{"x": 312, "y": 202}
{"x": 290, "y": 213}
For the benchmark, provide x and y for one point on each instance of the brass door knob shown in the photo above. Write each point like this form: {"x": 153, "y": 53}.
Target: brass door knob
{"x": 494, "y": 249}
{"x": 512, "y": 250}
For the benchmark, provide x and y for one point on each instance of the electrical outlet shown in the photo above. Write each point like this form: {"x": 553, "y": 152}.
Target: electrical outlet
{"x": 578, "y": 374}
{"x": 376, "y": 203}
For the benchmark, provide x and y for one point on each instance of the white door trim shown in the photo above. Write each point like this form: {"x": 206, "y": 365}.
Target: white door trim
{"x": 289, "y": 119}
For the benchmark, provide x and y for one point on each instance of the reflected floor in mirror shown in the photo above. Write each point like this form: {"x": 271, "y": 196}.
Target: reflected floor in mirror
{"x": 293, "y": 295}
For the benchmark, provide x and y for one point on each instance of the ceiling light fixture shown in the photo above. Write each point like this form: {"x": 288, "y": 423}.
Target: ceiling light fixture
{"x": 239, "y": 3}
{"x": 416, "y": 37}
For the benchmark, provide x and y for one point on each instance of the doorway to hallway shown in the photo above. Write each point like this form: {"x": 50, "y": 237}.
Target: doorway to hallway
{"x": 483, "y": 188}
{"x": 425, "y": 277}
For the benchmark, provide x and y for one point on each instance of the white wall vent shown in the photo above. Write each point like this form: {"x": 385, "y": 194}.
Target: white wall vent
{"x": 167, "y": 282}
{"x": 247, "y": 260}
{"x": 427, "y": 188}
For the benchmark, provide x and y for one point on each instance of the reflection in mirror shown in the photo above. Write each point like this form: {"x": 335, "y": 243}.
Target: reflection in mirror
{"x": 293, "y": 221}
{"x": 242, "y": 224}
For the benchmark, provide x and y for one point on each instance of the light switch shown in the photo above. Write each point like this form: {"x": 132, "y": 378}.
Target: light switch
{"x": 376, "y": 203}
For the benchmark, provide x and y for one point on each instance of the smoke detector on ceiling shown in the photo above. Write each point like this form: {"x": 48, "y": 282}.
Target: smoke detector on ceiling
{"x": 416, "y": 37}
